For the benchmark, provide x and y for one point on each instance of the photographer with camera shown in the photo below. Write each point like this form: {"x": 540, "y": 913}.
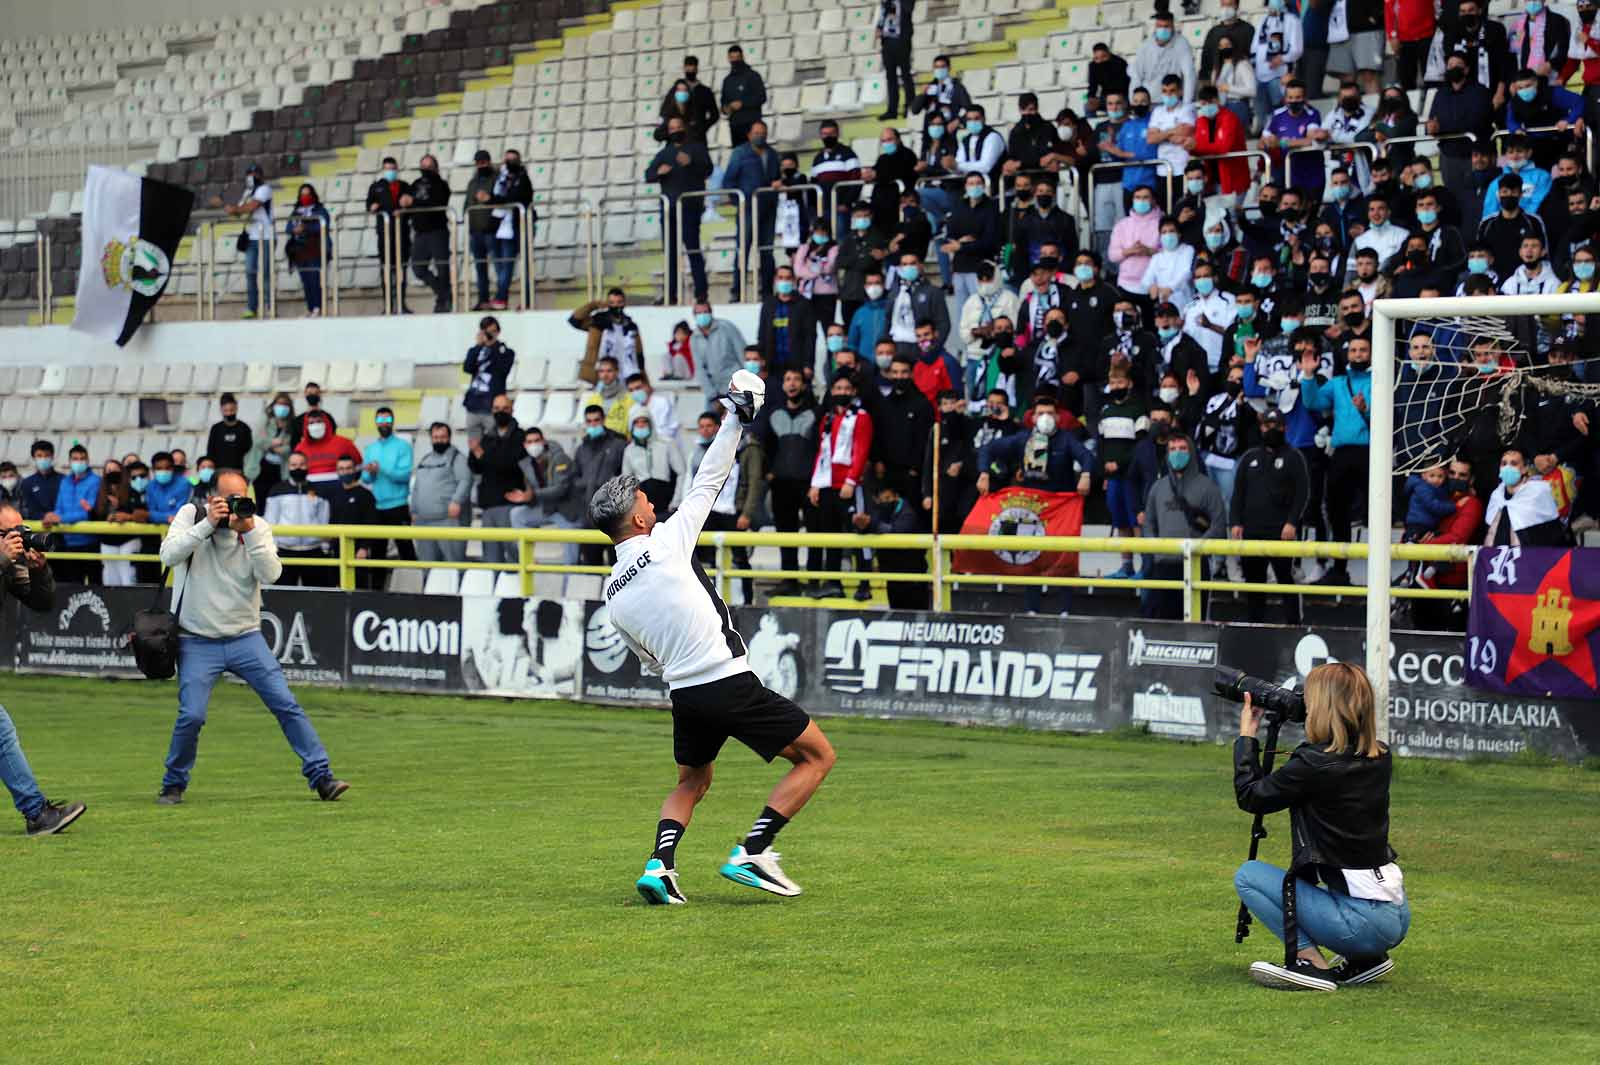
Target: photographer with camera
{"x": 25, "y": 574}
{"x": 1336, "y": 789}
{"x": 222, "y": 554}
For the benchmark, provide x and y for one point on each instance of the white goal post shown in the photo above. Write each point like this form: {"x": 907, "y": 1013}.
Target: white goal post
{"x": 1389, "y": 317}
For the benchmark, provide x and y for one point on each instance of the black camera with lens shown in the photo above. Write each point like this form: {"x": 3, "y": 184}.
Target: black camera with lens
{"x": 241, "y": 507}
{"x": 1279, "y": 703}
{"x": 31, "y": 541}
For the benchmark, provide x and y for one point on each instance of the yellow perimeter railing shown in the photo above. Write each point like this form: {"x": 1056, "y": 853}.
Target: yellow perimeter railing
{"x": 940, "y": 572}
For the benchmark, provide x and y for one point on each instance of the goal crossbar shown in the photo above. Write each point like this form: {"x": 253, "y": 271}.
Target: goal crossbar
{"x": 1386, "y": 313}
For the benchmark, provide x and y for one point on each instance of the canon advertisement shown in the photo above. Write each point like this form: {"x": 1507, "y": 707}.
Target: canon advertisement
{"x": 1088, "y": 675}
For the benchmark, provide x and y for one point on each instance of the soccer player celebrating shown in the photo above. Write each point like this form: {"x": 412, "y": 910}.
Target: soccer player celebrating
{"x": 668, "y": 612}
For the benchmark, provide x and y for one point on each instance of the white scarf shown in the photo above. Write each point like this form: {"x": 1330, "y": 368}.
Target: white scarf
{"x": 844, "y": 426}
{"x": 507, "y": 230}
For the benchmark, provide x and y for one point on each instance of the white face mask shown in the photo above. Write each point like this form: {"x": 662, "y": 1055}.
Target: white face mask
{"x": 8, "y": 483}
{"x": 988, "y": 288}
{"x": 874, "y": 292}
{"x": 1168, "y": 396}
{"x": 317, "y": 430}
{"x": 534, "y": 450}
{"x": 1045, "y": 423}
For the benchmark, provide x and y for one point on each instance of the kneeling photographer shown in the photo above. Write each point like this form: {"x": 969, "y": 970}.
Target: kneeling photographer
{"x": 221, "y": 554}
{"x": 1336, "y": 789}
{"x": 25, "y": 574}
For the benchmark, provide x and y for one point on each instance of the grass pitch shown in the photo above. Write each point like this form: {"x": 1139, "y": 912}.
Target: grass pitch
{"x": 971, "y": 896}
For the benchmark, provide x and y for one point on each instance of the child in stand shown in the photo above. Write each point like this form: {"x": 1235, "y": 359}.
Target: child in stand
{"x": 1429, "y": 504}
{"x": 679, "y": 363}
{"x": 1122, "y": 420}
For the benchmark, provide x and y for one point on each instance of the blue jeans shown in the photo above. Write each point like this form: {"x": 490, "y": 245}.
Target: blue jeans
{"x": 311, "y": 282}
{"x": 201, "y": 661}
{"x": 15, "y": 772}
{"x": 938, "y": 204}
{"x": 1122, "y": 501}
{"x": 505, "y": 265}
{"x": 1356, "y": 928}
{"x": 1269, "y": 97}
{"x": 482, "y": 248}
{"x": 252, "y": 268}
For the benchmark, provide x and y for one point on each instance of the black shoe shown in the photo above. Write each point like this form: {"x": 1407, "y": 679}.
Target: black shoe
{"x": 889, "y": 115}
{"x": 1302, "y": 976}
{"x": 169, "y": 797}
{"x": 826, "y": 590}
{"x": 331, "y": 788}
{"x": 786, "y": 588}
{"x": 1334, "y": 578}
{"x": 54, "y": 817}
{"x": 863, "y": 591}
{"x": 1351, "y": 971}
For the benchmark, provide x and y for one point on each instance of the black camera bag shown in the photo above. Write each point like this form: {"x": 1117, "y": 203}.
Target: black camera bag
{"x": 154, "y": 635}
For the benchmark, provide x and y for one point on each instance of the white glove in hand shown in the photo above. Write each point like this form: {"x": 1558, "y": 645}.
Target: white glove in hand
{"x": 747, "y": 392}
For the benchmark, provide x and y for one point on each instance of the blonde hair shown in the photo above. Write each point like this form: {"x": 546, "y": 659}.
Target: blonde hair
{"x": 1339, "y": 709}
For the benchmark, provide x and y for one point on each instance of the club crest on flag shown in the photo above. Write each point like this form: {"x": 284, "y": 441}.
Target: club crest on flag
{"x": 1534, "y": 625}
{"x": 135, "y": 265}
{"x": 1020, "y": 516}
{"x": 1021, "y": 511}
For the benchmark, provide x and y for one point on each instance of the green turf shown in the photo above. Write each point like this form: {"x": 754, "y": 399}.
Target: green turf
{"x": 971, "y": 896}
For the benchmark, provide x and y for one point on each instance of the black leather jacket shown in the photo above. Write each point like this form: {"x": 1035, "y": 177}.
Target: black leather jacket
{"x": 36, "y": 589}
{"x": 1338, "y": 805}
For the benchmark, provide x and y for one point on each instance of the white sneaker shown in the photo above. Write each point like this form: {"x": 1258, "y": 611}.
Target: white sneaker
{"x": 759, "y": 871}
{"x": 659, "y": 885}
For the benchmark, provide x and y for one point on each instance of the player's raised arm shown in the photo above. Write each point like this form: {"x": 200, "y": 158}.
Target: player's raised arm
{"x": 746, "y": 393}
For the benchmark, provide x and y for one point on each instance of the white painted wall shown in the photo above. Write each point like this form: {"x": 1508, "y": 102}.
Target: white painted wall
{"x": 421, "y": 338}
{"x": 20, "y": 19}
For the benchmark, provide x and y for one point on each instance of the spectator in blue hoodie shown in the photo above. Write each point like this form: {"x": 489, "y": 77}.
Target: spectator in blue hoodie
{"x": 166, "y": 493}
{"x": 386, "y": 471}
{"x": 870, "y": 323}
{"x": 38, "y": 491}
{"x": 1428, "y": 504}
{"x": 75, "y": 499}
{"x": 1349, "y": 397}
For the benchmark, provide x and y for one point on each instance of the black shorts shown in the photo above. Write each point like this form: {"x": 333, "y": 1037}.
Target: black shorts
{"x": 705, "y": 715}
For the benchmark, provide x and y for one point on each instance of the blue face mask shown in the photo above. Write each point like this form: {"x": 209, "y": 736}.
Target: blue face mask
{"x": 1510, "y": 476}
{"x": 391, "y": 175}
{"x": 1247, "y": 311}
{"x": 1342, "y": 192}
{"x": 594, "y": 432}
{"x": 1291, "y": 324}
{"x": 835, "y": 344}
{"x": 1583, "y": 271}
{"x": 1206, "y": 110}
{"x": 1422, "y": 181}
{"x": 163, "y": 477}
{"x": 1427, "y": 218}
{"x": 1169, "y": 100}
{"x": 703, "y": 320}
{"x": 1204, "y": 285}
{"x": 1535, "y": 8}
{"x": 1142, "y": 206}
{"x": 785, "y": 288}
{"x": 941, "y": 73}
{"x": 206, "y": 475}
{"x": 280, "y": 410}
{"x": 639, "y": 396}
{"x": 1527, "y": 96}
{"x": 1163, "y": 34}
{"x": 1261, "y": 280}
{"x": 1177, "y": 460}
{"x": 974, "y": 125}
{"x": 888, "y": 147}
{"x": 79, "y": 467}
{"x": 1477, "y": 266}
{"x": 1195, "y": 186}
{"x": 1116, "y": 116}
{"x": 641, "y": 433}
{"x": 819, "y": 238}
{"x": 681, "y": 97}
{"x": 1215, "y": 241}
{"x": 1167, "y": 332}
{"x": 910, "y": 273}
{"x": 139, "y": 484}
{"x": 1084, "y": 273}
{"x": 1486, "y": 367}
{"x": 860, "y": 225}
{"x": 753, "y": 366}
{"x": 936, "y": 132}
{"x": 1169, "y": 241}
{"x": 974, "y": 192}
{"x": 43, "y": 464}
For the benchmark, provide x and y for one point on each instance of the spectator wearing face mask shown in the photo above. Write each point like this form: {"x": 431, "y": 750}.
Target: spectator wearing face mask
{"x": 1123, "y": 138}
{"x": 272, "y": 444}
{"x": 495, "y": 458}
{"x": 846, "y": 438}
{"x": 1510, "y": 225}
{"x": 754, "y": 168}
{"x": 1278, "y": 45}
{"x": 430, "y": 237}
{"x": 1170, "y": 274}
{"x": 656, "y": 461}
{"x": 167, "y": 493}
{"x": 1295, "y": 125}
{"x": 901, "y": 421}
{"x": 1534, "y": 106}
{"x": 323, "y": 447}
{"x": 1446, "y": 254}
{"x": 869, "y": 321}
{"x": 386, "y": 471}
{"x": 1043, "y": 293}
{"x": 1461, "y": 105}
{"x": 834, "y": 162}
{"x": 972, "y": 236}
{"x": 718, "y": 349}
{"x": 610, "y": 395}
{"x": 1269, "y": 494}
{"x": 913, "y": 299}
{"x": 295, "y": 502}
{"x": 441, "y": 496}
{"x": 1209, "y": 315}
{"x": 1346, "y": 123}
{"x": 1522, "y": 510}
{"x": 384, "y": 200}
{"x": 743, "y": 95}
{"x": 979, "y": 147}
{"x": 40, "y": 488}
{"x": 1231, "y": 33}
{"x": 814, "y": 267}
{"x": 1089, "y": 305}
{"x": 205, "y": 474}
{"x": 350, "y": 503}
{"x": 1034, "y": 143}
{"x": 944, "y": 93}
{"x": 1348, "y": 396}
{"x": 230, "y": 439}
{"x": 1052, "y": 362}
{"x": 788, "y": 330}
{"x": 1037, "y": 221}
{"x": 788, "y": 436}
{"x": 1539, "y": 40}
{"x": 1130, "y": 342}
{"x": 913, "y": 232}
{"x": 551, "y": 495}
{"x": 10, "y": 486}
{"x": 487, "y": 366}
{"x": 76, "y": 493}
{"x": 1164, "y": 52}
{"x": 313, "y": 398}
{"x": 611, "y": 333}
{"x": 1171, "y": 127}
{"x": 1482, "y": 45}
{"x": 934, "y": 369}
{"x": 1119, "y": 424}
{"x": 862, "y": 251}
{"x": 991, "y": 302}
{"x": 1183, "y": 504}
{"x": 1108, "y": 74}
{"x": 1218, "y": 131}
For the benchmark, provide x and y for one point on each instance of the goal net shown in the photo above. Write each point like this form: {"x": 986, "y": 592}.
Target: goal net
{"x": 1446, "y": 371}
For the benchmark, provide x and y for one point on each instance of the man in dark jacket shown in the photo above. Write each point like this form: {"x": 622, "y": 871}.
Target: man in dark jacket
{"x": 596, "y": 459}
{"x": 487, "y": 366}
{"x": 901, "y": 422}
{"x": 743, "y": 94}
{"x": 1090, "y": 306}
{"x": 384, "y": 198}
{"x": 230, "y": 439}
{"x": 944, "y": 94}
{"x": 973, "y": 235}
{"x": 494, "y": 457}
{"x": 861, "y": 251}
{"x": 1037, "y": 222}
{"x": 351, "y": 503}
{"x": 787, "y": 335}
{"x": 753, "y": 168}
{"x": 681, "y": 168}
{"x": 481, "y": 222}
{"x": 956, "y": 466}
{"x": 430, "y": 231}
{"x": 913, "y": 299}
{"x": 496, "y": 207}
{"x": 1506, "y": 229}
{"x": 702, "y": 101}
{"x": 892, "y": 31}
{"x": 789, "y": 438}
{"x": 1464, "y": 104}
{"x": 1033, "y": 143}
{"x": 913, "y": 232}
{"x": 25, "y": 575}
{"x": 1271, "y": 485}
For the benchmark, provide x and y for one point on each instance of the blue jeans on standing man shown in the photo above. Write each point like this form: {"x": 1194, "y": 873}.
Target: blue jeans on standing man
{"x": 937, "y": 203}
{"x": 253, "y": 252}
{"x": 505, "y": 265}
{"x": 482, "y": 247}
{"x": 1356, "y": 928}
{"x": 15, "y": 772}
{"x": 201, "y": 662}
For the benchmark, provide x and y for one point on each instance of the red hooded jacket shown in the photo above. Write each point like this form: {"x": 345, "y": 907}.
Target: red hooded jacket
{"x": 1218, "y": 136}
{"x": 1465, "y": 526}
{"x": 322, "y": 456}
{"x": 1408, "y": 20}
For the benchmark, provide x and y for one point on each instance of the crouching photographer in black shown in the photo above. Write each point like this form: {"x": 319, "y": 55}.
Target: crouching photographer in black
{"x": 1336, "y": 789}
{"x": 25, "y": 574}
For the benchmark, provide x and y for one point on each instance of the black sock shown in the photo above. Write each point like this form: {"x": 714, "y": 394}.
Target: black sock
{"x": 767, "y": 826}
{"x": 668, "y": 832}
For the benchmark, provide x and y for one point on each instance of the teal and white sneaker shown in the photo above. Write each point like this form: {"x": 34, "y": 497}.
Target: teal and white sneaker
{"x": 759, "y": 871}
{"x": 659, "y": 885}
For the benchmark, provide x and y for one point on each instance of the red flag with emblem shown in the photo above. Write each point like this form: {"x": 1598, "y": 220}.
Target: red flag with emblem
{"x": 1023, "y": 512}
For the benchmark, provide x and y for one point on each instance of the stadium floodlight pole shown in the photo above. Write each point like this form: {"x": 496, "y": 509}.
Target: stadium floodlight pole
{"x": 1380, "y": 455}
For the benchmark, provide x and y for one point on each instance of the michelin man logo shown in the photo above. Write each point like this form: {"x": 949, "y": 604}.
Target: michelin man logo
{"x": 775, "y": 657}
{"x": 606, "y": 650}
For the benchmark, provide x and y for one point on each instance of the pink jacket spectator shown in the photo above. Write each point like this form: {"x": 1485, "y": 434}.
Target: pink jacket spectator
{"x": 1134, "y": 229}
{"x": 815, "y": 273}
